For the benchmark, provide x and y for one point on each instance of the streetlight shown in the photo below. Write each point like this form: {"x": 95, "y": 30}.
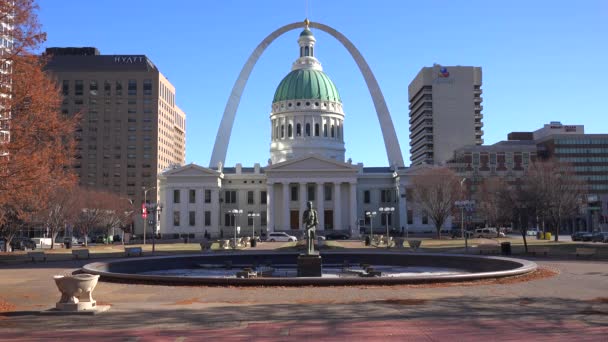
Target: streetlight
{"x": 371, "y": 215}
{"x": 387, "y": 211}
{"x": 253, "y": 216}
{"x": 128, "y": 216}
{"x": 234, "y": 213}
{"x": 154, "y": 208}
{"x": 146, "y": 206}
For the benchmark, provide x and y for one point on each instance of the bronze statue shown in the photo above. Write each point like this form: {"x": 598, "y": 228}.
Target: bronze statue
{"x": 310, "y": 218}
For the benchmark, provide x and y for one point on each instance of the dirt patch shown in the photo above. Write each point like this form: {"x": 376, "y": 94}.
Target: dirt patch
{"x": 402, "y": 301}
{"x": 188, "y": 301}
{"x": 6, "y": 306}
{"x": 601, "y": 300}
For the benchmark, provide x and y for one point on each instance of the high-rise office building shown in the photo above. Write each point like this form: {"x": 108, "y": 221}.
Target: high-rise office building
{"x": 445, "y": 112}
{"x": 131, "y": 128}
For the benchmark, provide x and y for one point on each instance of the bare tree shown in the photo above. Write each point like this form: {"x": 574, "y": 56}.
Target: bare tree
{"x": 557, "y": 193}
{"x": 491, "y": 203}
{"x": 435, "y": 191}
{"x": 92, "y": 210}
{"x": 59, "y": 211}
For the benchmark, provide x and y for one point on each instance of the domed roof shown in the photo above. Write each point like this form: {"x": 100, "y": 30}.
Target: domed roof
{"x": 306, "y": 32}
{"x": 306, "y": 84}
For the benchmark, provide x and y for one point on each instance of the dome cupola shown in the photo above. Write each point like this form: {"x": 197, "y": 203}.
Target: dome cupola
{"x": 307, "y": 114}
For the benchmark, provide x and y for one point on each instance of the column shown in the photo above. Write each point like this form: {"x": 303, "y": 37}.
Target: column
{"x": 302, "y": 195}
{"x": 353, "y": 210}
{"x": 285, "y": 225}
{"x": 321, "y": 205}
{"x": 215, "y": 211}
{"x": 337, "y": 206}
{"x": 270, "y": 207}
{"x": 402, "y": 207}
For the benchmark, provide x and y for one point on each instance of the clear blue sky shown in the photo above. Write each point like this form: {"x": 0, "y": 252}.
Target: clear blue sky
{"x": 542, "y": 60}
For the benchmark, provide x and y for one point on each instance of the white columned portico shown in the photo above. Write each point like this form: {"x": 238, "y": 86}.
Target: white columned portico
{"x": 337, "y": 206}
{"x": 285, "y": 225}
{"x": 321, "y": 205}
{"x": 270, "y": 207}
{"x": 353, "y": 210}
{"x": 302, "y": 195}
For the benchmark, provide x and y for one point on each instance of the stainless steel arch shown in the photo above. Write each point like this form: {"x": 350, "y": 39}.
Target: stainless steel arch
{"x": 391, "y": 143}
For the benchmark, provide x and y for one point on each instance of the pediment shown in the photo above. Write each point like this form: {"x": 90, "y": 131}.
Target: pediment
{"x": 312, "y": 163}
{"x": 191, "y": 170}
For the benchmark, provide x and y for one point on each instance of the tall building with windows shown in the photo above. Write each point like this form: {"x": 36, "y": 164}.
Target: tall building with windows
{"x": 131, "y": 127}
{"x": 445, "y": 112}
{"x": 6, "y": 44}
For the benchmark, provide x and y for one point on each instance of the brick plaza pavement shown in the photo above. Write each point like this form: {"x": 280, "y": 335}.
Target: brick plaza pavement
{"x": 572, "y": 305}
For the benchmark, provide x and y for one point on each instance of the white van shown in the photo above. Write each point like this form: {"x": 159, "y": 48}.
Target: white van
{"x": 487, "y": 233}
{"x": 43, "y": 242}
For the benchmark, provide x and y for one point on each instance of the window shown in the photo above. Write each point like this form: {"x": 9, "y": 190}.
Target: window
{"x": 147, "y": 87}
{"x": 282, "y": 131}
{"x": 298, "y": 130}
{"x": 289, "y": 131}
{"x": 307, "y": 129}
{"x": 410, "y": 216}
{"x": 294, "y": 193}
{"x": 228, "y": 220}
{"x": 386, "y": 196}
{"x": 475, "y": 159}
{"x": 207, "y": 218}
{"x": 328, "y": 192}
{"x": 366, "y": 196}
{"x": 78, "y": 87}
{"x": 192, "y": 196}
{"x": 526, "y": 158}
{"x": 118, "y": 88}
{"x": 325, "y": 130}
{"x": 249, "y": 219}
{"x": 192, "y": 218}
{"x": 107, "y": 88}
{"x": 230, "y": 196}
{"x": 493, "y": 158}
{"x": 316, "y": 130}
{"x": 332, "y": 131}
{"x": 93, "y": 88}
{"x": 425, "y": 218}
{"x": 262, "y": 197}
{"x": 383, "y": 218}
{"x": 262, "y": 218}
{"x": 176, "y": 196}
{"x": 66, "y": 88}
{"x": 176, "y": 218}
{"x": 132, "y": 90}
{"x": 250, "y": 197}
{"x": 207, "y": 196}
{"x": 311, "y": 192}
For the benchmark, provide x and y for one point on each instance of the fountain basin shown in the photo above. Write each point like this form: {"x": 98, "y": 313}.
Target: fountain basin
{"x": 157, "y": 270}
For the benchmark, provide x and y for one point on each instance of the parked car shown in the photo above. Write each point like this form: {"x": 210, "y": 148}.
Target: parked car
{"x": 281, "y": 236}
{"x": 23, "y": 243}
{"x": 337, "y": 236}
{"x": 532, "y": 231}
{"x": 577, "y": 236}
{"x": 487, "y": 233}
{"x": 117, "y": 238}
{"x": 600, "y": 237}
{"x": 587, "y": 236}
{"x": 80, "y": 240}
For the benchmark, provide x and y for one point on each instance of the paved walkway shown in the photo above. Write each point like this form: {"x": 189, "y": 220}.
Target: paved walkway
{"x": 573, "y": 305}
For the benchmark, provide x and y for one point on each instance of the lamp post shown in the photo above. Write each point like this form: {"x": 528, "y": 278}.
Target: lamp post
{"x": 371, "y": 215}
{"x": 253, "y": 216}
{"x": 235, "y": 213}
{"x": 128, "y": 216}
{"x": 154, "y": 208}
{"x": 146, "y": 206}
{"x": 387, "y": 211}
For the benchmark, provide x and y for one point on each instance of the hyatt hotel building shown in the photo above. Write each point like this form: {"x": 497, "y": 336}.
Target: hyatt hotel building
{"x": 131, "y": 129}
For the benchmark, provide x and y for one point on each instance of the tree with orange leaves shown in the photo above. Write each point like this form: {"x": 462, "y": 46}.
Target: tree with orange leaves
{"x": 36, "y": 161}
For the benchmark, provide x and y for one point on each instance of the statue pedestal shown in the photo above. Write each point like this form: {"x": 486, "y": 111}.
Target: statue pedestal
{"x": 309, "y": 265}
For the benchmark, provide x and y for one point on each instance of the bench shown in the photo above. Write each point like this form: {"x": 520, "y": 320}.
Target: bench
{"x": 132, "y": 251}
{"x": 81, "y": 254}
{"x": 37, "y": 256}
{"x": 539, "y": 250}
{"x": 206, "y": 246}
{"x": 582, "y": 251}
{"x": 489, "y": 248}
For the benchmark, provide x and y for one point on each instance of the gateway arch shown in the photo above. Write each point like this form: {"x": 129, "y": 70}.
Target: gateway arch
{"x": 220, "y": 148}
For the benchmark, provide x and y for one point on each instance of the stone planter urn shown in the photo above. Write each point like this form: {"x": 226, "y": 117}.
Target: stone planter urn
{"x": 76, "y": 292}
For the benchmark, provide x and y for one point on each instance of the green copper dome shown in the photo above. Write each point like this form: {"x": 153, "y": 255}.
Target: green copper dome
{"x": 306, "y": 32}
{"x": 306, "y": 84}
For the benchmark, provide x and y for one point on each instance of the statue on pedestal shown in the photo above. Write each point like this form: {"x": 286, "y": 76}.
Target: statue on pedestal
{"x": 310, "y": 218}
